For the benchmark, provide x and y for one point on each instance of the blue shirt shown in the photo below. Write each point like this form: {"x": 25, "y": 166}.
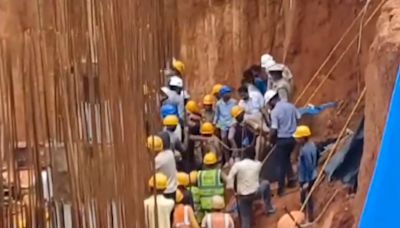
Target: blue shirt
{"x": 284, "y": 118}
{"x": 308, "y": 163}
{"x": 261, "y": 85}
{"x": 223, "y": 118}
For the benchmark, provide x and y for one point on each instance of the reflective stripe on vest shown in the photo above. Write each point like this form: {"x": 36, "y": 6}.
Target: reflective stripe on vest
{"x": 181, "y": 216}
{"x": 195, "y": 194}
{"x": 217, "y": 220}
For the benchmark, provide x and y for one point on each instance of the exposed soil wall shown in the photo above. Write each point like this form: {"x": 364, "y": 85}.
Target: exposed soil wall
{"x": 380, "y": 76}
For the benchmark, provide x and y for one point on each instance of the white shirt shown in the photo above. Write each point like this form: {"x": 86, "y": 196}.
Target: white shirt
{"x": 164, "y": 209}
{"x": 165, "y": 163}
{"x": 251, "y": 112}
{"x": 247, "y": 173}
{"x": 256, "y": 97}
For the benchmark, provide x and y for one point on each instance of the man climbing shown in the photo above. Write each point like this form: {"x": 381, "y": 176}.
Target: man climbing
{"x": 208, "y": 113}
{"x": 217, "y": 218}
{"x": 240, "y": 134}
{"x": 279, "y": 83}
{"x": 164, "y": 163}
{"x": 249, "y": 188}
{"x": 175, "y": 95}
{"x": 158, "y": 183}
{"x": 183, "y": 180}
{"x": 284, "y": 119}
{"x": 210, "y": 181}
{"x": 256, "y": 96}
{"x": 308, "y": 164}
{"x": 183, "y": 213}
{"x": 260, "y": 78}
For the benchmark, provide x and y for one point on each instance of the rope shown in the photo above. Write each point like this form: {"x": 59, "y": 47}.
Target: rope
{"x": 316, "y": 74}
{"x": 342, "y": 133}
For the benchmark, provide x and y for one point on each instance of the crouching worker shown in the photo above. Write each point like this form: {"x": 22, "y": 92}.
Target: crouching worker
{"x": 217, "y": 218}
{"x": 158, "y": 183}
{"x": 183, "y": 184}
{"x": 210, "y": 181}
{"x": 183, "y": 213}
{"x": 307, "y": 166}
{"x": 245, "y": 175}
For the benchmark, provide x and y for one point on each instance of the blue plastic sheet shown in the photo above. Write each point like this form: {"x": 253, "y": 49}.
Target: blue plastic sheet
{"x": 383, "y": 200}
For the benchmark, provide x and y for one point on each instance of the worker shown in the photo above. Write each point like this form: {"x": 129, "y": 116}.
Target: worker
{"x": 240, "y": 134}
{"x": 171, "y": 125}
{"x": 164, "y": 163}
{"x": 209, "y": 142}
{"x": 307, "y": 169}
{"x": 215, "y": 91}
{"x": 176, "y": 95}
{"x": 245, "y": 174}
{"x": 183, "y": 180}
{"x": 279, "y": 83}
{"x": 217, "y": 218}
{"x": 256, "y": 96}
{"x": 179, "y": 67}
{"x": 246, "y": 102}
{"x": 267, "y": 61}
{"x": 210, "y": 181}
{"x": 208, "y": 113}
{"x": 195, "y": 195}
{"x": 183, "y": 213}
{"x": 194, "y": 114}
{"x": 260, "y": 78}
{"x": 158, "y": 183}
{"x": 284, "y": 119}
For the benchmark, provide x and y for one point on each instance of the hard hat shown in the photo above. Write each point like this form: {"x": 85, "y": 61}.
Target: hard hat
{"x": 183, "y": 179}
{"x": 192, "y": 107}
{"x": 287, "y": 222}
{"x": 302, "y": 131}
{"x": 267, "y": 61}
{"x": 236, "y": 111}
{"x": 171, "y": 120}
{"x": 176, "y": 81}
{"x": 178, "y": 196}
{"x": 276, "y": 67}
{"x": 179, "y": 66}
{"x": 165, "y": 90}
{"x": 155, "y": 143}
{"x": 161, "y": 181}
{"x": 193, "y": 177}
{"x": 210, "y": 158}
{"x": 216, "y": 88}
{"x": 269, "y": 95}
{"x": 207, "y": 129}
{"x": 218, "y": 202}
{"x": 225, "y": 90}
{"x": 208, "y": 100}
{"x": 168, "y": 109}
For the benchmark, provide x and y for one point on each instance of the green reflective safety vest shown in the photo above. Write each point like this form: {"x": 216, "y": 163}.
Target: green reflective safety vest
{"x": 196, "y": 201}
{"x": 210, "y": 184}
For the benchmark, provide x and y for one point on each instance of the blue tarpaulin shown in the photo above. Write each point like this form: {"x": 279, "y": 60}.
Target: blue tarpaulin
{"x": 383, "y": 200}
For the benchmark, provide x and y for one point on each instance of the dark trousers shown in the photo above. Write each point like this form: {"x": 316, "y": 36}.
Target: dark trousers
{"x": 310, "y": 204}
{"x": 284, "y": 148}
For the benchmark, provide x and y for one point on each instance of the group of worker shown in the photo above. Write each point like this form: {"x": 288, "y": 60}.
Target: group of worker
{"x": 205, "y": 149}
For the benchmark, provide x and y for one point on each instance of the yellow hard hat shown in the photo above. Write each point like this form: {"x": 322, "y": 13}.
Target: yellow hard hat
{"x": 302, "y": 131}
{"x": 207, "y": 129}
{"x": 193, "y": 177}
{"x": 287, "y": 222}
{"x": 155, "y": 143}
{"x": 161, "y": 181}
{"x": 171, "y": 120}
{"x": 182, "y": 179}
{"x": 236, "y": 111}
{"x": 179, "y": 66}
{"x": 218, "y": 202}
{"x": 192, "y": 107}
{"x": 178, "y": 196}
{"x": 216, "y": 88}
{"x": 210, "y": 158}
{"x": 208, "y": 99}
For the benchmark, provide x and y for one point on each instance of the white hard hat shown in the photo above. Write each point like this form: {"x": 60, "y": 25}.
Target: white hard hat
{"x": 276, "y": 67}
{"x": 165, "y": 90}
{"x": 267, "y": 61}
{"x": 269, "y": 95}
{"x": 176, "y": 81}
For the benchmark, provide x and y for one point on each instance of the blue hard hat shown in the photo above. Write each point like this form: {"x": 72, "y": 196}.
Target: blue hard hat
{"x": 168, "y": 109}
{"x": 225, "y": 90}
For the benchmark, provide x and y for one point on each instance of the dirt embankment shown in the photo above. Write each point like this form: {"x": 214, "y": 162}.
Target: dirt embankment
{"x": 380, "y": 76}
